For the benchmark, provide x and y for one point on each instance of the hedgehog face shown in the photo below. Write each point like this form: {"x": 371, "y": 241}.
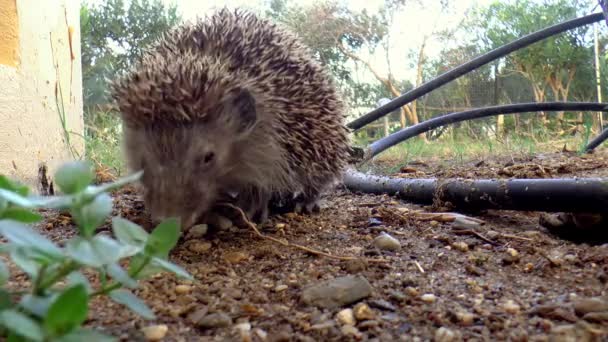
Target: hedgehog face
{"x": 185, "y": 165}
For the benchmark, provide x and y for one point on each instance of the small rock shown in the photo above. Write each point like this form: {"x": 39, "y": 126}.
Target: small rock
{"x": 428, "y": 298}
{"x": 571, "y": 258}
{"x": 382, "y": 305}
{"x": 346, "y": 316}
{"x": 461, "y": 222}
{"x": 356, "y": 265}
{"x": 466, "y": 318}
{"x": 492, "y": 234}
{"x": 262, "y": 334}
{"x": 461, "y": 246}
{"x": 512, "y": 252}
{"x": 444, "y": 334}
{"x": 350, "y": 330}
{"x": 220, "y": 222}
{"x": 337, "y": 292}
{"x": 235, "y": 257}
{"x": 183, "y": 289}
{"x": 584, "y": 306}
{"x": 155, "y": 332}
{"x": 372, "y": 222}
{"x": 363, "y": 312}
{"x": 387, "y": 242}
{"x": 412, "y": 291}
{"x": 511, "y": 307}
{"x": 281, "y": 288}
{"x": 528, "y": 267}
{"x": 199, "y": 246}
{"x": 215, "y": 320}
{"x": 198, "y": 231}
{"x": 400, "y": 296}
{"x": 369, "y": 324}
{"x": 244, "y": 330}
{"x": 597, "y": 317}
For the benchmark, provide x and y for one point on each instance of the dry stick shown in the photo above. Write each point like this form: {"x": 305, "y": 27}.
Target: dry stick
{"x": 472, "y": 232}
{"x": 290, "y": 244}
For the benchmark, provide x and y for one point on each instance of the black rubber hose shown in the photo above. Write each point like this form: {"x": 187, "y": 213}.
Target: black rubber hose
{"x": 382, "y": 144}
{"x": 470, "y": 66}
{"x": 587, "y": 195}
{"x": 597, "y": 141}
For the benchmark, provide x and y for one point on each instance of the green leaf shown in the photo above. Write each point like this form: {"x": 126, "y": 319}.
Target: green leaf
{"x": 163, "y": 238}
{"x": 128, "y": 232}
{"x": 93, "y": 214}
{"x": 16, "y": 199}
{"x": 74, "y": 176}
{"x": 4, "y": 273}
{"x": 23, "y": 236}
{"x": 13, "y": 186}
{"x": 5, "y": 299}
{"x": 21, "y": 215}
{"x": 37, "y": 305}
{"x": 87, "y": 335}
{"x": 24, "y": 259}
{"x": 120, "y": 275}
{"x": 171, "y": 267}
{"x": 131, "y": 301}
{"x": 76, "y": 277}
{"x": 21, "y": 325}
{"x": 68, "y": 311}
{"x": 95, "y": 190}
{"x": 98, "y": 251}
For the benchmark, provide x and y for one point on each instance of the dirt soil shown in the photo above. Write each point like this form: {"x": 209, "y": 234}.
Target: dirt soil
{"x": 507, "y": 278}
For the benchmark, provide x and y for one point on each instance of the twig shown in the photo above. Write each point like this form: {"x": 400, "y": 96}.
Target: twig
{"x": 289, "y": 244}
{"x": 419, "y": 267}
{"x": 474, "y": 233}
{"x": 515, "y": 237}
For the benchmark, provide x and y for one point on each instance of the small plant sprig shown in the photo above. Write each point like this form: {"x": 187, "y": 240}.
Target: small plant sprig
{"x": 55, "y": 305}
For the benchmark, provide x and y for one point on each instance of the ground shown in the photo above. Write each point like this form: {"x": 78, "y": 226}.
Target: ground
{"x": 506, "y": 279}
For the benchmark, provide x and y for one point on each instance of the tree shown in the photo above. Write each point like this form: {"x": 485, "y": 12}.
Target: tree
{"x": 113, "y": 35}
{"x": 550, "y": 65}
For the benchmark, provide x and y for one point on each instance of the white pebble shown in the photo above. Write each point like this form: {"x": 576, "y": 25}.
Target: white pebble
{"x": 511, "y": 307}
{"x": 428, "y": 298}
{"x": 387, "y": 242}
{"x": 155, "y": 332}
{"x": 346, "y": 316}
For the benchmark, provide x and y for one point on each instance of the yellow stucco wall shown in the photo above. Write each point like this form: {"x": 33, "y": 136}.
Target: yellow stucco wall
{"x": 31, "y": 131}
{"x": 9, "y": 27}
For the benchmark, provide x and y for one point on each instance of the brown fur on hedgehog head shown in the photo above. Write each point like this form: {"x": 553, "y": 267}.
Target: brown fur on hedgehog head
{"x": 183, "y": 123}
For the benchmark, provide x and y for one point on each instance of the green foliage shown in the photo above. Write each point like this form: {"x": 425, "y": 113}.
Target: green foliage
{"x": 49, "y": 311}
{"x": 114, "y": 33}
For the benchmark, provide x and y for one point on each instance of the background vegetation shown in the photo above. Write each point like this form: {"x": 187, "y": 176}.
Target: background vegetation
{"x": 561, "y": 68}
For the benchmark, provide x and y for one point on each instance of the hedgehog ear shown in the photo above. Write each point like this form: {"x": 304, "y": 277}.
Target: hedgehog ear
{"x": 243, "y": 112}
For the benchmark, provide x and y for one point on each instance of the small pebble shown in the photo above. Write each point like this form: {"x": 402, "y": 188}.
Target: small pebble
{"x": 337, "y": 292}
{"x": 466, "y": 318}
{"x": 511, "y": 307}
{"x": 215, "y": 320}
{"x": 262, "y": 334}
{"x": 412, "y": 291}
{"x": 235, "y": 257}
{"x": 281, "y": 288}
{"x": 571, "y": 258}
{"x": 199, "y": 246}
{"x": 528, "y": 267}
{"x": 428, "y": 298}
{"x": 382, "y": 305}
{"x": 387, "y": 242}
{"x": 584, "y": 306}
{"x": 492, "y": 234}
{"x": 346, "y": 316}
{"x": 244, "y": 330}
{"x": 461, "y": 246}
{"x": 465, "y": 223}
{"x": 183, "y": 289}
{"x": 512, "y": 252}
{"x": 280, "y": 226}
{"x": 198, "y": 231}
{"x": 155, "y": 332}
{"x": 363, "y": 312}
{"x": 444, "y": 334}
{"x": 350, "y": 330}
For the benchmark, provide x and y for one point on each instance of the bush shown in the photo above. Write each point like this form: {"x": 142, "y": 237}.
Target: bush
{"x": 55, "y": 305}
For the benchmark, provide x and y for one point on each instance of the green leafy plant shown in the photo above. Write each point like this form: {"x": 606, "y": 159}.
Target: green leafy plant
{"x": 55, "y": 305}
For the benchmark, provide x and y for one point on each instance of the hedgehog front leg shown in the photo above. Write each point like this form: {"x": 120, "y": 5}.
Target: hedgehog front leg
{"x": 255, "y": 204}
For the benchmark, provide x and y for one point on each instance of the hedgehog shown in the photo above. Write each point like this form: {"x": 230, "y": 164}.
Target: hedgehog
{"x": 231, "y": 107}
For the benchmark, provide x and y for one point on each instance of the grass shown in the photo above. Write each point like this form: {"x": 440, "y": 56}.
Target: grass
{"x": 462, "y": 150}
{"x": 103, "y": 140}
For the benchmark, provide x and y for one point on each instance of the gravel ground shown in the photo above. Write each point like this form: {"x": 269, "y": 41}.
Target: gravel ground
{"x": 413, "y": 274}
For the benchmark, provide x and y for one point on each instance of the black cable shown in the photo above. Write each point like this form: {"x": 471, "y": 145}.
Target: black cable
{"x": 470, "y": 66}
{"x": 380, "y": 145}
